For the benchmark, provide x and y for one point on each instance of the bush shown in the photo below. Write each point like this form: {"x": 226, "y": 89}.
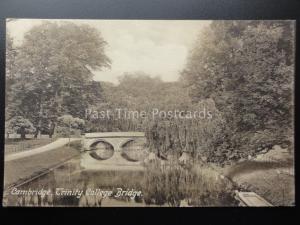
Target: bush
{"x": 19, "y": 125}
{"x": 242, "y": 145}
{"x": 69, "y": 126}
{"x": 66, "y": 132}
{"x": 77, "y": 145}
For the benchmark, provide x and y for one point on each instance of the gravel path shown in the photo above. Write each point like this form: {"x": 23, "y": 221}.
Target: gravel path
{"x": 56, "y": 144}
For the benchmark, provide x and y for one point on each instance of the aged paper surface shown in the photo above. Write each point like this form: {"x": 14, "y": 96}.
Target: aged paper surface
{"x": 174, "y": 113}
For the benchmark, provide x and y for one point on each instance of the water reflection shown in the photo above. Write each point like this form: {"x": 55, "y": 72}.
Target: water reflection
{"x": 69, "y": 185}
{"x": 101, "y": 150}
{"x": 163, "y": 182}
{"x": 135, "y": 150}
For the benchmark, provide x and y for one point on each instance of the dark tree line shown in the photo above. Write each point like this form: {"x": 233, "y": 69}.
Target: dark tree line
{"x": 240, "y": 70}
{"x": 244, "y": 70}
{"x": 247, "y": 68}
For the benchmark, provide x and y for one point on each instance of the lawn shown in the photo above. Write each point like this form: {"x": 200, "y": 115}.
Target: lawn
{"x": 272, "y": 179}
{"x": 27, "y": 167}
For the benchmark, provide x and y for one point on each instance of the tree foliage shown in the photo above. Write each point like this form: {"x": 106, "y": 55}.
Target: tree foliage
{"x": 68, "y": 125}
{"x": 19, "y": 125}
{"x": 247, "y": 68}
{"x": 240, "y": 71}
{"x": 54, "y": 71}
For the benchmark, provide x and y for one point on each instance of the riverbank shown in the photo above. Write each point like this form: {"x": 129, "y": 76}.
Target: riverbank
{"x": 270, "y": 175}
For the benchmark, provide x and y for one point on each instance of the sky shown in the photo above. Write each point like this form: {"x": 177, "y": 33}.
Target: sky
{"x": 156, "y": 47}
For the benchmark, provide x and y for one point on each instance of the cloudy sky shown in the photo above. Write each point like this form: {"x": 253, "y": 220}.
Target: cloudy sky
{"x": 156, "y": 47}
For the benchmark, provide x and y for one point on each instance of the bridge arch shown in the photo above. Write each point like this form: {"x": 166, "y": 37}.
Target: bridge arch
{"x": 101, "y": 149}
{"x": 124, "y": 143}
{"x": 134, "y": 155}
{"x": 116, "y": 141}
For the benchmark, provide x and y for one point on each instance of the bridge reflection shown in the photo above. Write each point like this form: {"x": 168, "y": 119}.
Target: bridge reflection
{"x": 101, "y": 150}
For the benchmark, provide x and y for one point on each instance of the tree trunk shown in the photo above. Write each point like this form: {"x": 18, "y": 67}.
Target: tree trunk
{"x": 39, "y": 128}
{"x": 69, "y": 134}
{"x": 39, "y": 131}
{"x": 36, "y": 133}
{"x": 51, "y": 130}
{"x": 23, "y": 134}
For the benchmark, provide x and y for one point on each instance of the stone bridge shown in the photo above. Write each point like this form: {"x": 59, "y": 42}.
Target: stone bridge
{"x": 107, "y": 150}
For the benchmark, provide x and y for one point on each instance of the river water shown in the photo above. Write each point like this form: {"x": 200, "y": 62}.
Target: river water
{"x": 70, "y": 185}
{"x": 73, "y": 185}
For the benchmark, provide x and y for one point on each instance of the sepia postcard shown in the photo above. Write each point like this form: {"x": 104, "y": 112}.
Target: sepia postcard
{"x": 149, "y": 113}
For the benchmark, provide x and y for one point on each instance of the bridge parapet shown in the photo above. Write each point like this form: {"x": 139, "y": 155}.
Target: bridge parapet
{"x": 114, "y": 134}
{"x": 116, "y": 139}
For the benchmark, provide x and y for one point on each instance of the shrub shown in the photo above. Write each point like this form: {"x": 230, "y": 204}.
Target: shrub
{"x": 77, "y": 145}
{"x": 19, "y": 125}
{"x": 68, "y": 125}
{"x": 66, "y": 132}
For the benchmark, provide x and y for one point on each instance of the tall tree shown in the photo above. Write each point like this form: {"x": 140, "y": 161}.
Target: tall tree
{"x": 247, "y": 68}
{"x": 55, "y": 70}
{"x": 11, "y": 54}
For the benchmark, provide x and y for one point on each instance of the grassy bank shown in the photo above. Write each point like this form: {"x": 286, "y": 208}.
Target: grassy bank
{"x": 274, "y": 181}
{"x": 21, "y": 169}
